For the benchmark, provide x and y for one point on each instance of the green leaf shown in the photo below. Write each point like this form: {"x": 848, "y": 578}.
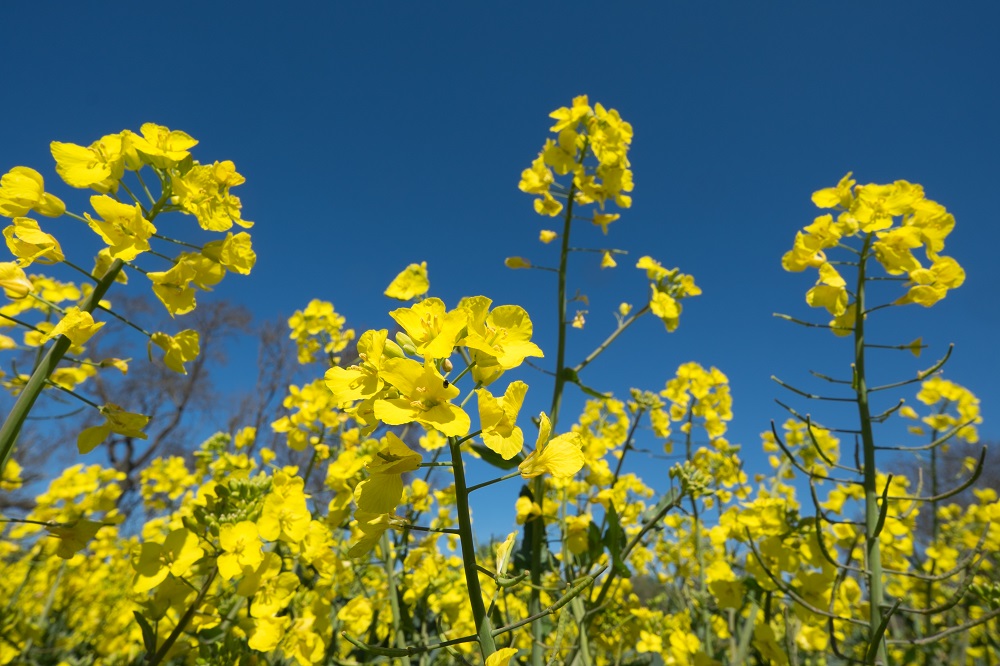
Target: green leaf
{"x": 148, "y": 635}
{"x": 570, "y": 376}
{"x": 493, "y": 458}
{"x": 594, "y": 545}
{"x": 614, "y": 539}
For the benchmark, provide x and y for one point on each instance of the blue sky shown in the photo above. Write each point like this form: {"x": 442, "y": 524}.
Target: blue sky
{"x": 373, "y": 135}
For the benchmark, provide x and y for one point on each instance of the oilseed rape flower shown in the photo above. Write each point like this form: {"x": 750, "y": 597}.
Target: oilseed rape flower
{"x": 424, "y": 397}
{"x": 176, "y": 555}
{"x": 570, "y": 117}
{"x": 504, "y": 333}
{"x": 410, "y": 283}
{"x": 29, "y": 243}
{"x": 501, "y": 657}
{"x": 121, "y": 226}
{"x": 235, "y": 252}
{"x": 116, "y": 420}
{"x": 361, "y": 381}
{"x": 175, "y": 287}
{"x": 433, "y": 330}
{"x": 668, "y": 287}
{"x": 602, "y": 220}
{"x": 160, "y": 147}
{"x": 498, "y": 419}
{"x": 99, "y": 166}
{"x": 178, "y": 348}
{"x": 285, "y": 515}
{"x": 559, "y": 456}
{"x": 22, "y": 189}
{"x": 14, "y": 281}
{"x": 381, "y": 492}
{"x": 241, "y": 547}
{"x": 203, "y": 191}
{"x": 319, "y": 328}
{"x": 77, "y": 325}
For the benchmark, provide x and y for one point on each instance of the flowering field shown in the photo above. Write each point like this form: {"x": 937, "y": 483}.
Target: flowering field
{"x": 367, "y": 552}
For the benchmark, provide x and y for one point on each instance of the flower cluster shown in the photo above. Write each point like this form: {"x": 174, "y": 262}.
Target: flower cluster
{"x": 64, "y": 315}
{"x": 892, "y": 220}
{"x": 583, "y": 131}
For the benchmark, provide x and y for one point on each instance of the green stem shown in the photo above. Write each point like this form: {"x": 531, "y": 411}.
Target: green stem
{"x": 538, "y": 487}
{"x": 138, "y": 175}
{"x": 125, "y": 321}
{"x": 183, "y": 622}
{"x": 390, "y": 575}
{"x": 611, "y": 338}
{"x": 484, "y": 627}
{"x": 876, "y": 593}
{"x": 491, "y": 482}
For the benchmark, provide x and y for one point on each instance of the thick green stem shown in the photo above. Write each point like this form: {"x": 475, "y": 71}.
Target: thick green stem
{"x": 484, "y": 628}
{"x": 873, "y": 553}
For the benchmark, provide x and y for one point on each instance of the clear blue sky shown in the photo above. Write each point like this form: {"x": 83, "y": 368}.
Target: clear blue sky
{"x": 373, "y": 135}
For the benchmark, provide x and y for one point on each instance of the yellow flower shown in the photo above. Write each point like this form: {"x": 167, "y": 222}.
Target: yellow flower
{"x": 608, "y": 261}
{"x": 361, "y": 381}
{"x": 174, "y": 286}
{"x": 504, "y": 550}
{"x": 241, "y": 544}
{"x": 99, "y": 166}
{"x": 179, "y": 348}
{"x": 121, "y": 226}
{"x": 29, "y": 243}
{"x": 548, "y": 206}
{"x": 203, "y": 191}
{"x": 161, "y": 147}
{"x": 526, "y": 510}
{"x": 602, "y": 220}
{"x": 831, "y": 197}
{"x": 930, "y": 285}
{"x": 116, "y": 420}
{"x": 14, "y": 281}
{"x": 547, "y": 236}
{"x": 498, "y": 418}
{"x": 501, "y": 657}
{"x": 517, "y": 262}
{"x": 410, "y": 283}
{"x": 560, "y": 456}
{"x": 504, "y": 332}
{"x": 538, "y": 179}
{"x": 356, "y": 615}
{"x": 274, "y": 595}
{"x": 434, "y": 331}
{"x": 268, "y": 632}
{"x": 77, "y": 325}
{"x": 571, "y": 117}
{"x": 285, "y": 514}
{"x": 23, "y": 189}
{"x": 382, "y": 491}
{"x": 234, "y": 252}
{"x": 176, "y": 555}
